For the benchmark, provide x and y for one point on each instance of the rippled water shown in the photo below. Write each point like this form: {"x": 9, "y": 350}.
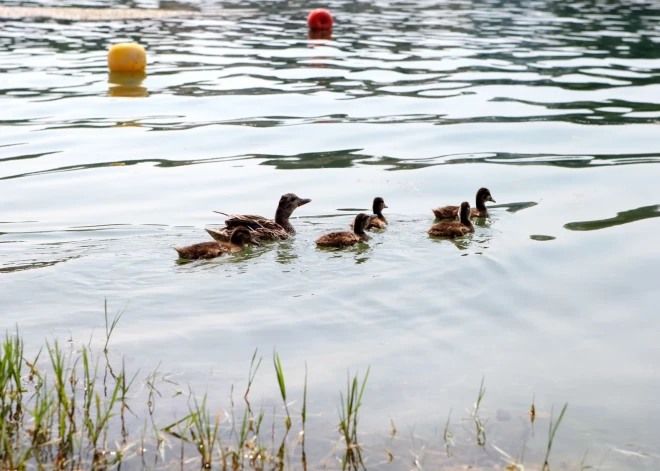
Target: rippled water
{"x": 554, "y": 106}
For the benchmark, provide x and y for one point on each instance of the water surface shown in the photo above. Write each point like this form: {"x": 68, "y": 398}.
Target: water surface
{"x": 553, "y": 106}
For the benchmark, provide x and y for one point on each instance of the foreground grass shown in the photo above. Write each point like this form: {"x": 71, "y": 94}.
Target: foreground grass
{"x": 69, "y": 409}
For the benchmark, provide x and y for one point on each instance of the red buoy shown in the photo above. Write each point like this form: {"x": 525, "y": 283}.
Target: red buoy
{"x": 319, "y": 18}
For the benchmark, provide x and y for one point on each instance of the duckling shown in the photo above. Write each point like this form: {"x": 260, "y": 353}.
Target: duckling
{"x": 264, "y": 228}
{"x": 453, "y": 229}
{"x": 379, "y": 222}
{"x": 240, "y": 236}
{"x": 344, "y": 239}
{"x": 451, "y": 212}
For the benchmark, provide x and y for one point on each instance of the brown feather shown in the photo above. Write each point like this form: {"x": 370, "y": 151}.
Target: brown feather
{"x": 376, "y": 223}
{"x": 379, "y": 221}
{"x": 451, "y": 212}
{"x": 446, "y": 212}
{"x": 221, "y": 234}
{"x": 344, "y": 239}
{"x": 240, "y": 236}
{"x": 453, "y": 229}
{"x": 480, "y": 211}
{"x": 339, "y": 239}
{"x": 264, "y": 229}
{"x": 450, "y": 229}
{"x": 268, "y": 231}
{"x": 203, "y": 250}
{"x": 250, "y": 220}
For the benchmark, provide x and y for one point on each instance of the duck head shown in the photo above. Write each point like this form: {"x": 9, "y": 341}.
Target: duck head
{"x": 241, "y": 236}
{"x": 379, "y": 205}
{"x": 483, "y": 195}
{"x": 464, "y": 213}
{"x": 362, "y": 221}
{"x": 288, "y": 204}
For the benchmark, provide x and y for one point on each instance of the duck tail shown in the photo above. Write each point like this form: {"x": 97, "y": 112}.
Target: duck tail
{"x": 220, "y": 235}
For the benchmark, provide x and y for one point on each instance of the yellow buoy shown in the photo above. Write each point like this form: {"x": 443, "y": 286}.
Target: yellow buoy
{"x": 125, "y": 57}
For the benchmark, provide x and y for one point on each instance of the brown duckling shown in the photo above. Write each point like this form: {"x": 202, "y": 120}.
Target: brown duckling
{"x": 240, "y": 236}
{"x": 344, "y": 239}
{"x": 451, "y": 212}
{"x": 379, "y": 222}
{"x": 263, "y": 228}
{"x": 453, "y": 229}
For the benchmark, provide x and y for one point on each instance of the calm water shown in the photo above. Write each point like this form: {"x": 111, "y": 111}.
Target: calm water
{"x": 553, "y": 106}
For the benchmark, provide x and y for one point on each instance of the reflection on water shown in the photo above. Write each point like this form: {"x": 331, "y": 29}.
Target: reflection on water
{"x": 515, "y": 207}
{"x": 33, "y": 265}
{"x": 319, "y": 34}
{"x": 552, "y": 102}
{"x": 127, "y": 84}
{"x": 624, "y": 217}
{"x": 542, "y": 238}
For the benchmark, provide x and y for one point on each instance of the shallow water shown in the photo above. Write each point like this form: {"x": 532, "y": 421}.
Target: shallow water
{"x": 553, "y": 106}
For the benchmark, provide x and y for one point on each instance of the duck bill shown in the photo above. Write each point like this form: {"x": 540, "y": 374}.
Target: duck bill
{"x": 492, "y": 200}
{"x": 385, "y": 206}
{"x": 254, "y": 241}
{"x": 304, "y": 201}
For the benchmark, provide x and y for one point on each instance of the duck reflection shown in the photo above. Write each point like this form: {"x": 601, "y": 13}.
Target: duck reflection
{"x": 483, "y": 222}
{"x": 476, "y": 241}
{"x": 127, "y": 84}
{"x": 515, "y": 207}
{"x": 361, "y": 252}
{"x": 624, "y": 217}
{"x": 461, "y": 244}
{"x": 285, "y": 254}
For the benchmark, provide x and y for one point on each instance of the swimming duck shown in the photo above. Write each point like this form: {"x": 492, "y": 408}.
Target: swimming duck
{"x": 240, "y": 236}
{"x": 450, "y": 212}
{"x": 263, "y": 228}
{"x": 453, "y": 229}
{"x": 378, "y": 222}
{"x": 344, "y": 239}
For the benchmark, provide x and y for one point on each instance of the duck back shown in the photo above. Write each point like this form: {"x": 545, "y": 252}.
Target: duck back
{"x": 338, "y": 239}
{"x": 450, "y": 229}
{"x": 446, "y": 212}
{"x": 203, "y": 250}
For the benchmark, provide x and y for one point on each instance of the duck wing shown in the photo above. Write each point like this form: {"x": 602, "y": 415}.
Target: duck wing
{"x": 221, "y": 234}
{"x": 204, "y": 250}
{"x": 276, "y": 232}
{"x": 446, "y": 212}
{"x": 448, "y": 229}
{"x": 251, "y": 221}
{"x": 337, "y": 239}
{"x": 267, "y": 233}
{"x": 377, "y": 223}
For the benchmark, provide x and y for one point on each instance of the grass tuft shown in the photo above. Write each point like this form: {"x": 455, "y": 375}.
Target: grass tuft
{"x": 552, "y": 431}
{"x": 348, "y": 420}
{"x": 68, "y": 410}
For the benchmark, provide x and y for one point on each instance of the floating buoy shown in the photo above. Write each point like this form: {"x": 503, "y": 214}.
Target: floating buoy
{"x": 319, "y": 19}
{"x": 127, "y": 57}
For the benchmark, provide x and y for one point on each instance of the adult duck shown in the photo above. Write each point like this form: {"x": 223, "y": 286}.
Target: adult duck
{"x": 263, "y": 228}
{"x": 239, "y": 238}
{"x": 346, "y": 238}
{"x": 451, "y": 212}
{"x": 454, "y": 229}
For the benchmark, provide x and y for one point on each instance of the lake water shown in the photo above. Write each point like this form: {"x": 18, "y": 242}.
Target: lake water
{"x": 554, "y": 106}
